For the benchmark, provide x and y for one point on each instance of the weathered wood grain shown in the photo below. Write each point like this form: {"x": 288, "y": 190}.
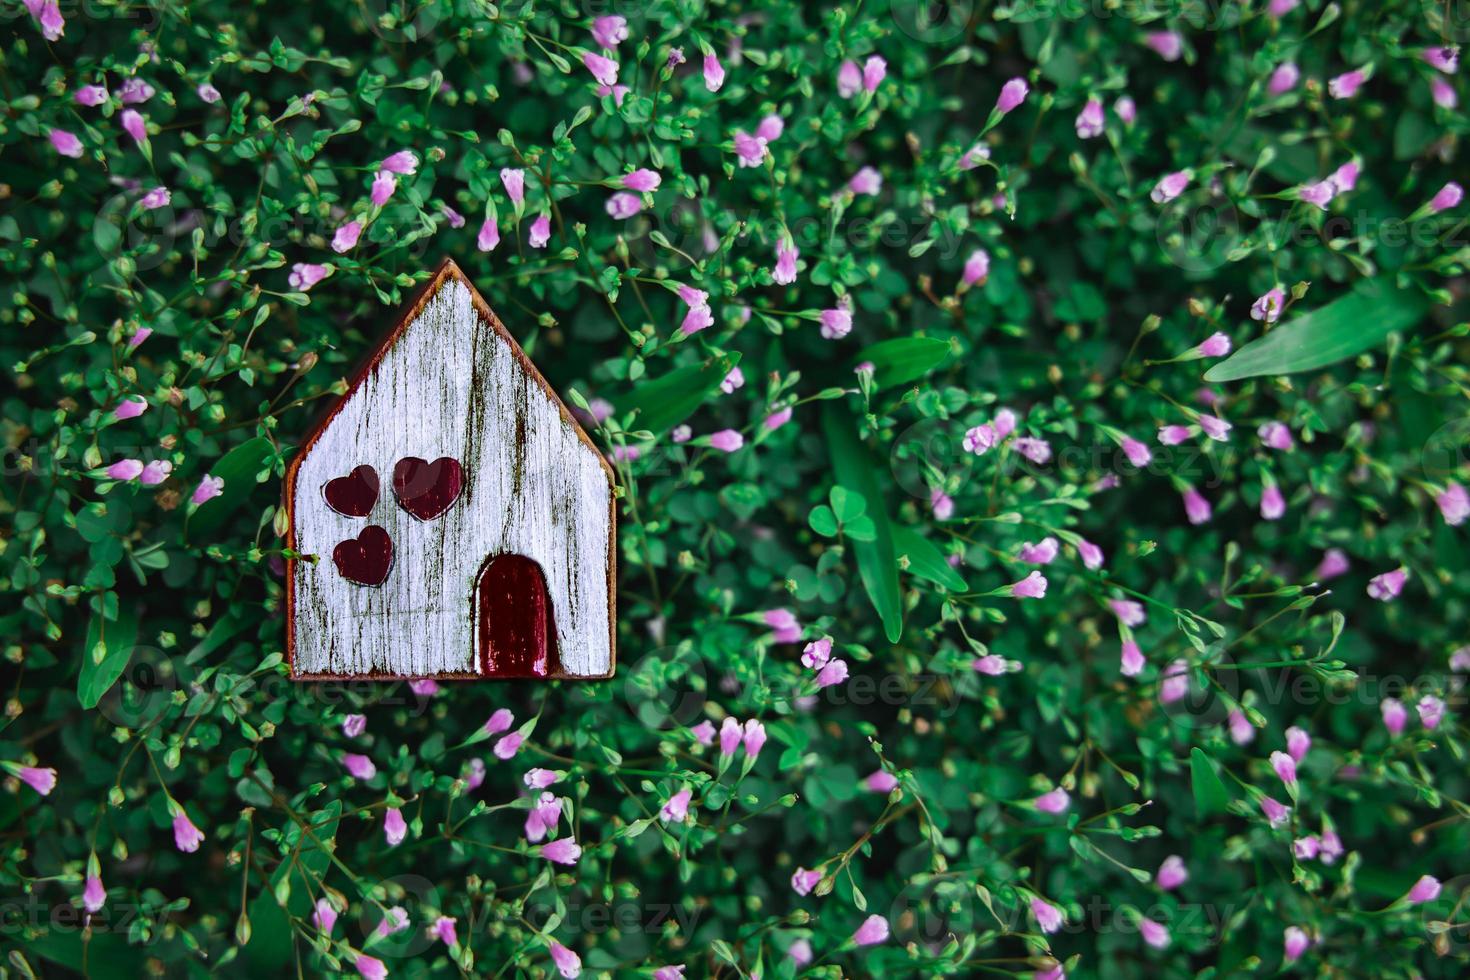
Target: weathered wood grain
{"x": 451, "y": 383}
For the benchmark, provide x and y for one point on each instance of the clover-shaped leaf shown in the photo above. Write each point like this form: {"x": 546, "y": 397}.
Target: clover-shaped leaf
{"x": 847, "y": 515}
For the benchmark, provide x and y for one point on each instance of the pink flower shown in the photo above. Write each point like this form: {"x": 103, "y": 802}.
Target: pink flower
{"x": 394, "y": 827}
{"x": 1036, "y": 450}
{"x": 1215, "y": 345}
{"x": 1334, "y": 563}
{"x": 1298, "y": 743}
{"x": 784, "y": 626}
{"x": 836, "y": 323}
{"x": 384, "y": 184}
{"x": 1043, "y": 553}
{"x": 941, "y": 505}
{"x": 1132, "y": 661}
{"x": 1091, "y": 554}
{"x": 344, "y": 239}
{"x": 43, "y": 781}
{"x": 1055, "y": 801}
{"x": 1174, "y": 684}
{"x": 455, "y": 219}
{"x": 359, "y": 766}
{"x": 540, "y": 232}
{"x": 134, "y": 125}
{"x": 489, "y": 235}
{"x": 1453, "y": 501}
{"x": 1171, "y": 873}
{"x": 209, "y": 488}
{"x": 1345, "y": 177}
{"x": 605, "y": 70}
{"x": 1285, "y": 767}
{"x": 1170, "y": 186}
{"x": 642, "y": 181}
{"x": 125, "y": 470}
{"x": 563, "y": 850}
{"x": 1173, "y": 435}
{"x": 1273, "y": 504}
{"x": 980, "y": 439}
{"x": 771, "y": 127}
{"x": 866, "y": 181}
{"x": 816, "y": 653}
{"x": 369, "y": 968}
{"x": 424, "y": 687}
{"x": 1090, "y": 120}
{"x": 90, "y": 95}
{"x": 881, "y": 781}
{"x": 1153, "y": 933}
{"x": 727, "y": 440}
{"x": 354, "y": 725}
{"x": 1033, "y": 586}
{"x": 849, "y": 79}
{"x": 325, "y": 916}
{"x": 834, "y": 673}
{"x": 508, "y": 746}
{"x": 1048, "y": 916}
{"x": 1275, "y": 435}
{"x": 155, "y": 472}
{"x": 1387, "y": 586}
{"x": 187, "y": 837}
{"x": 803, "y": 881}
{"x": 1196, "y": 507}
{"x": 135, "y": 91}
{"x": 609, "y": 31}
{"x": 616, "y": 91}
{"x": 1275, "y": 813}
{"x": 1445, "y": 58}
{"x": 1294, "y": 943}
{"x": 1166, "y": 44}
{"x": 1128, "y": 611}
{"x": 977, "y": 268}
{"x": 1431, "y": 711}
{"x": 1126, "y": 109}
{"x": 1012, "y": 94}
{"x": 1268, "y": 305}
{"x": 754, "y": 738}
{"x": 1346, "y": 85}
{"x": 207, "y": 93}
{"x": 714, "y": 74}
{"x": 94, "y": 896}
{"x": 304, "y": 275}
{"x": 991, "y": 665}
{"x": 735, "y": 379}
{"x": 1050, "y": 973}
{"x": 514, "y": 181}
{"x": 1426, "y": 889}
{"x": 972, "y": 157}
{"x": 1448, "y": 196}
{"x": 624, "y": 205}
{"x": 669, "y": 973}
{"x": 777, "y": 419}
{"x": 402, "y": 162}
{"x": 1394, "y": 715}
{"x": 540, "y": 778}
{"x": 1138, "y": 454}
{"x": 730, "y": 733}
{"x": 48, "y": 17}
{"x": 1443, "y": 93}
{"x": 130, "y": 408}
{"x": 1280, "y": 8}
{"x": 873, "y": 931}
{"x": 1331, "y": 847}
{"x": 1320, "y": 193}
{"x": 750, "y": 151}
{"x": 1241, "y": 730}
{"x": 1284, "y": 78}
{"x": 1460, "y": 659}
{"x": 786, "y": 256}
{"x": 65, "y": 143}
{"x": 875, "y": 69}
{"x": 543, "y": 817}
{"x": 443, "y": 930}
{"x": 676, "y": 810}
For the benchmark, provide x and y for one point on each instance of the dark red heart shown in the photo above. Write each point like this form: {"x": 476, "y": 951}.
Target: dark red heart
{"x": 353, "y": 495}
{"x": 426, "y": 490}
{"x": 367, "y": 559}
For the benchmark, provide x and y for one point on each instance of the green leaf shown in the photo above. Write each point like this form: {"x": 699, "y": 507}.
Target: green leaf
{"x": 823, "y": 521}
{"x": 903, "y": 359}
{"x": 926, "y": 561}
{"x": 119, "y": 635}
{"x": 1347, "y": 326}
{"x": 1209, "y": 792}
{"x": 238, "y": 468}
{"x": 847, "y": 504}
{"x": 271, "y": 936}
{"x": 861, "y": 528}
{"x": 666, "y": 401}
{"x": 877, "y": 562}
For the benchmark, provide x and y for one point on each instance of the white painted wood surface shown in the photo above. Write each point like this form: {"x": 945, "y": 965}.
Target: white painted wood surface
{"x": 451, "y": 385}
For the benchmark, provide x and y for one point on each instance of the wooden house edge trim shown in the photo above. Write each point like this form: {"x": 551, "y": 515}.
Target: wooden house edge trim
{"x": 446, "y": 270}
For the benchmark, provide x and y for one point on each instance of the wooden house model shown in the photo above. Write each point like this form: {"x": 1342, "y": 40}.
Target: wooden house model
{"x": 455, "y": 520}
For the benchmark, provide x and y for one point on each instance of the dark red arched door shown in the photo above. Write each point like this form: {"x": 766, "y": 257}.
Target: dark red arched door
{"x": 516, "y": 631}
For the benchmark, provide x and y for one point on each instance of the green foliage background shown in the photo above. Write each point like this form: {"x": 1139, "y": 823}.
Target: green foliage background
{"x": 1091, "y": 287}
